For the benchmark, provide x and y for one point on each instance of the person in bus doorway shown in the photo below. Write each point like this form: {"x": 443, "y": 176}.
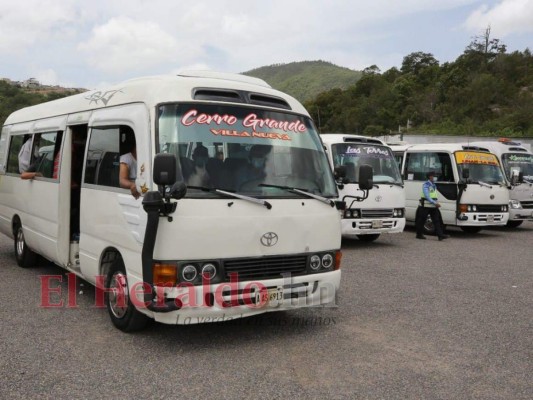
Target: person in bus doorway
{"x": 429, "y": 205}
{"x": 128, "y": 171}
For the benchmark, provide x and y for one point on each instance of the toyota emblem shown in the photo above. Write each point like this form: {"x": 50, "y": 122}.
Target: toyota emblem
{"x": 269, "y": 239}
{"x": 379, "y": 198}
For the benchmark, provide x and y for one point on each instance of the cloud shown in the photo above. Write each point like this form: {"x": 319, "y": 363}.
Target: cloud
{"x": 505, "y": 18}
{"x": 23, "y": 24}
{"x": 124, "y": 44}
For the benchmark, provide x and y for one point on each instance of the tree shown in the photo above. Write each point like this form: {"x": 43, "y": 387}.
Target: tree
{"x": 416, "y": 62}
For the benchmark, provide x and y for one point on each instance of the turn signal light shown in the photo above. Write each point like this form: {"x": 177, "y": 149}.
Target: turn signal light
{"x": 165, "y": 274}
{"x": 338, "y": 257}
{"x": 463, "y": 208}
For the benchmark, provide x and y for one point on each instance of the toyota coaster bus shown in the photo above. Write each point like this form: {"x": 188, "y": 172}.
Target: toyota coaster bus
{"x": 517, "y": 162}
{"x": 237, "y": 215}
{"x": 471, "y": 187}
{"x": 379, "y": 210}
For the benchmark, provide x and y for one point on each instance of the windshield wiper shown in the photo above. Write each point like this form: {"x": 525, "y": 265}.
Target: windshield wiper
{"x": 480, "y": 183}
{"x": 302, "y": 192}
{"x": 234, "y": 195}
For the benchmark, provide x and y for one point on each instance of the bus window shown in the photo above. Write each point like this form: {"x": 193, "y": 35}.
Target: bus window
{"x": 106, "y": 145}
{"x": 45, "y": 152}
{"x": 13, "y": 156}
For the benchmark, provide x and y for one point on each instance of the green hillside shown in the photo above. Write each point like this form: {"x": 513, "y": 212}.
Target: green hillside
{"x": 306, "y": 79}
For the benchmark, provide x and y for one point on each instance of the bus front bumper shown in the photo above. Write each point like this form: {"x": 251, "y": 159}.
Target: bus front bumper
{"x": 482, "y": 219}
{"x": 352, "y": 227}
{"x": 227, "y": 301}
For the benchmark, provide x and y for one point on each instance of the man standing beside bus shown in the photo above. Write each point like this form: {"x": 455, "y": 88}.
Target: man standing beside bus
{"x": 429, "y": 205}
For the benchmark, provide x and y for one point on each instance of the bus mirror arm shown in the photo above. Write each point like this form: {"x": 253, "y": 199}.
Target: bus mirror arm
{"x": 154, "y": 204}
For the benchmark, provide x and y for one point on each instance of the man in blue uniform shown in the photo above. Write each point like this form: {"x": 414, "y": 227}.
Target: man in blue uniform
{"x": 429, "y": 205}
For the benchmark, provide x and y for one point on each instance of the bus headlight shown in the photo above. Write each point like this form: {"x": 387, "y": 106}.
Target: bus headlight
{"x": 314, "y": 263}
{"x": 189, "y": 273}
{"x": 515, "y": 204}
{"x": 209, "y": 271}
{"x": 505, "y": 208}
{"x": 474, "y": 208}
{"x": 398, "y": 212}
{"x": 355, "y": 213}
{"x": 348, "y": 214}
{"x": 327, "y": 261}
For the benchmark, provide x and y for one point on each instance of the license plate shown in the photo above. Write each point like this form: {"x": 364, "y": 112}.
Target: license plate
{"x": 377, "y": 224}
{"x": 490, "y": 218}
{"x": 271, "y": 297}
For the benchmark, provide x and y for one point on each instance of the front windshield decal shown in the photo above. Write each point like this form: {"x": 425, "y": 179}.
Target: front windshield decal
{"x": 251, "y": 125}
{"x": 468, "y": 157}
{"x": 371, "y": 151}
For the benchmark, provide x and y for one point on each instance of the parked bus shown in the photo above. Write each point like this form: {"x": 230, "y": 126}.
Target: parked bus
{"x": 368, "y": 214}
{"x": 517, "y": 162}
{"x": 237, "y": 215}
{"x": 471, "y": 186}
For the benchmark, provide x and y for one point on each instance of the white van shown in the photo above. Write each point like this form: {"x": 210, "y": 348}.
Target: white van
{"x": 471, "y": 185}
{"x": 517, "y": 161}
{"x": 379, "y": 210}
{"x": 238, "y": 209}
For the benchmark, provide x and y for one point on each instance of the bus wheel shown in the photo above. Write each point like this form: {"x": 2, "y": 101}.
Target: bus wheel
{"x": 123, "y": 313}
{"x": 471, "y": 229}
{"x": 368, "y": 238}
{"x": 25, "y": 256}
{"x": 514, "y": 224}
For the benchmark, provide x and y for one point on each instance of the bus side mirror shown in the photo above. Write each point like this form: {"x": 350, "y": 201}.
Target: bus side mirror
{"x": 164, "y": 169}
{"x": 466, "y": 173}
{"x": 366, "y": 177}
{"x": 339, "y": 172}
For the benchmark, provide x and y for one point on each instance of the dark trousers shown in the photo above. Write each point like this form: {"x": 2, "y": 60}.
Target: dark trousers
{"x": 421, "y": 216}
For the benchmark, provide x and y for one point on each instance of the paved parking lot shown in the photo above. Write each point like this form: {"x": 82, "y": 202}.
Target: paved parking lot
{"x": 415, "y": 319}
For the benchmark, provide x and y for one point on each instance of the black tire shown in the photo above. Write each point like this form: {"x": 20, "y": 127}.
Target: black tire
{"x": 123, "y": 313}
{"x": 514, "y": 224}
{"x": 471, "y": 229}
{"x": 368, "y": 238}
{"x": 25, "y": 256}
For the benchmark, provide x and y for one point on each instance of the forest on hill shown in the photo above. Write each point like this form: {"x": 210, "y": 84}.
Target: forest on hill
{"x": 486, "y": 91}
{"x": 304, "y": 80}
{"x": 13, "y": 98}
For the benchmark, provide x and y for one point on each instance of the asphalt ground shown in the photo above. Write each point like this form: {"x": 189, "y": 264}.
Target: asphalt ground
{"x": 415, "y": 320}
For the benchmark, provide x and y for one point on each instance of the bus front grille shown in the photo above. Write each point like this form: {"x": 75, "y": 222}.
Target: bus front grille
{"x": 527, "y": 204}
{"x": 265, "y": 267}
{"x": 377, "y": 213}
{"x": 489, "y": 208}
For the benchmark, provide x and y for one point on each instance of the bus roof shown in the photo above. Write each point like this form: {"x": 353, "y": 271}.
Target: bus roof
{"x": 331, "y": 138}
{"x": 206, "y": 86}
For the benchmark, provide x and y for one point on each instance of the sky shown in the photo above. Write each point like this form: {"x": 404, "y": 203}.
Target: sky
{"x": 91, "y": 44}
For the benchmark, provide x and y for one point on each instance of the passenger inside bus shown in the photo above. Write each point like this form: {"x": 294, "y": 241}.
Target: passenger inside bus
{"x": 248, "y": 176}
{"x": 199, "y": 175}
{"x": 128, "y": 162}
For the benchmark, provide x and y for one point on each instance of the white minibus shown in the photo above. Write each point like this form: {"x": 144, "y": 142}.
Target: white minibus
{"x": 517, "y": 162}
{"x": 378, "y": 210}
{"x": 471, "y": 187}
{"x": 237, "y": 213}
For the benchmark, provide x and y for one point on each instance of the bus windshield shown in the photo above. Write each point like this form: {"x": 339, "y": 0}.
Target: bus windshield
{"x": 518, "y": 162}
{"x": 482, "y": 167}
{"x": 380, "y": 158}
{"x": 243, "y": 150}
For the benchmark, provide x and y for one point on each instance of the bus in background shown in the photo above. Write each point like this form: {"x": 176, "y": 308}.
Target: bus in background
{"x": 368, "y": 214}
{"x": 471, "y": 187}
{"x": 517, "y": 162}
{"x": 237, "y": 215}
